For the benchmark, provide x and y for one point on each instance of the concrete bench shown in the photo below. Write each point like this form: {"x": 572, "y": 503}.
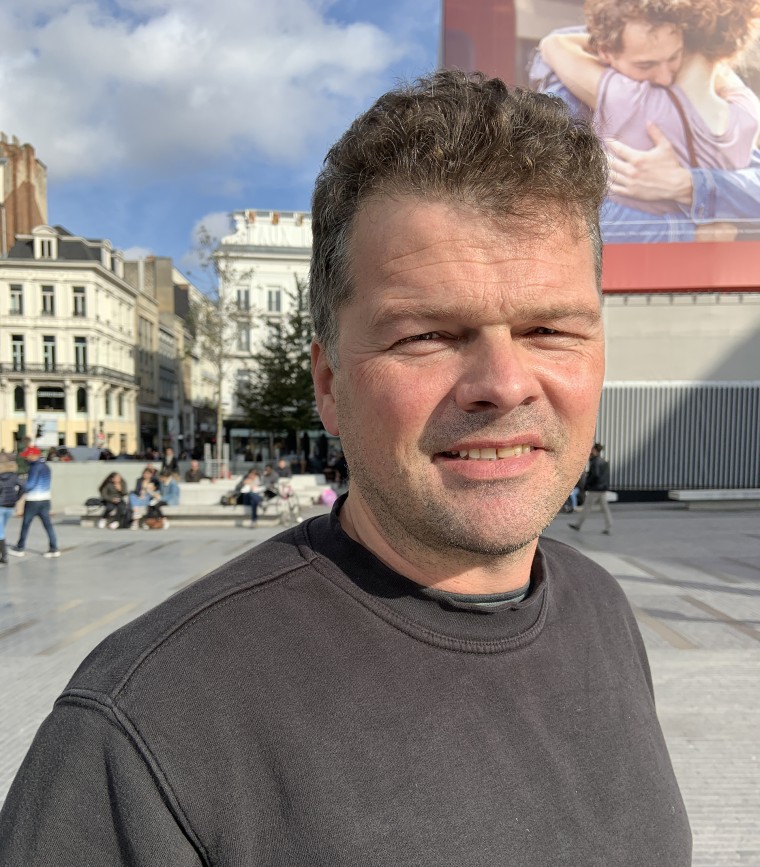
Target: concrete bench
{"x": 718, "y": 498}
{"x": 189, "y": 516}
{"x": 205, "y": 493}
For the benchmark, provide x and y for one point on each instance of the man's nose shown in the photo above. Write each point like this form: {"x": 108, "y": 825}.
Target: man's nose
{"x": 497, "y": 373}
{"x": 664, "y": 76}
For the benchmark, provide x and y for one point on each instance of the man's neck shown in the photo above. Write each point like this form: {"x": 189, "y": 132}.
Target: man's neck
{"x": 454, "y": 571}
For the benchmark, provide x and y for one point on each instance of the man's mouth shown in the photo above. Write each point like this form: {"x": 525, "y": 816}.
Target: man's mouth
{"x": 489, "y": 454}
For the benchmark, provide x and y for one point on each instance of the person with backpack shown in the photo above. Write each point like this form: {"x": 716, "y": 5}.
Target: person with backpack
{"x": 11, "y": 489}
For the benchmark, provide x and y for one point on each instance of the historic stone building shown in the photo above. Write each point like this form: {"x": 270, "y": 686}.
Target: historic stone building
{"x": 67, "y": 373}
{"x": 260, "y": 264}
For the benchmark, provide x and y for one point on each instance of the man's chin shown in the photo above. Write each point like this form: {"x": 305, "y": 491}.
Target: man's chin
{"x": 489, "y": 547}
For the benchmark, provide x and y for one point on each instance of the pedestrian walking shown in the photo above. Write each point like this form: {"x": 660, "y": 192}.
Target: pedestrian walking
{"x": 37, "y": 503}
{"x": 11, "y": 489}
{"x": 597, "y": 485}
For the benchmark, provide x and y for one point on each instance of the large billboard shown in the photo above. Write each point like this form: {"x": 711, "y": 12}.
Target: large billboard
{"x": 674, "y": 94}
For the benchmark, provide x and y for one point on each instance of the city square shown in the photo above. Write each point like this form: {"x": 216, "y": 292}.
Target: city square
{"x": 325, "y": 330}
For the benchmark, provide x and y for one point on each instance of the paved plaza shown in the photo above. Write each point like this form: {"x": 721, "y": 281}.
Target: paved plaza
{"x": 693, "y": 579}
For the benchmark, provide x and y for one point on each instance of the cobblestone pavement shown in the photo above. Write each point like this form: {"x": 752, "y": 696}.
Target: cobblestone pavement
{"x": 693, "y": 579}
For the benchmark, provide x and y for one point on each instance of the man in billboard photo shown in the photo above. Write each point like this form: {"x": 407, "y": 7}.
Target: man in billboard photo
{"x": 415, "y": 678}
{"x": 680, "y": 124}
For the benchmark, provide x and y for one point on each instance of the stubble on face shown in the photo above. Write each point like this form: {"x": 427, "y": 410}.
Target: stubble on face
{"x": 452, "y": 522}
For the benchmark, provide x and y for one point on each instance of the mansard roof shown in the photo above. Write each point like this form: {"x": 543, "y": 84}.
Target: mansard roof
{"x": 71, "y": 248}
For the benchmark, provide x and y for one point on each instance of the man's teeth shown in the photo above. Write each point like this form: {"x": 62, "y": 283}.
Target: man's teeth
{"x": 490, "y": 454}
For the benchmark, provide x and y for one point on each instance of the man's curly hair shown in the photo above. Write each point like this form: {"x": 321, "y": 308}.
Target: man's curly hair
{"x": 717, "y": 29}
{"x": 606, "y": 19}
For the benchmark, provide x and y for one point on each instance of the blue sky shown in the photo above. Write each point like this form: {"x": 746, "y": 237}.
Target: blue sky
{"x": 153, "y": 116}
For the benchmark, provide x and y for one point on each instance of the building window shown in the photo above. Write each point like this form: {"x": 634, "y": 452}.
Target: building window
{"x": 48, "y": 301}
{"x": 48, "y": 352}
{"x": 244, "y": 300}
{"x": 80, "y": 301}
{"x": 109, "y": 403}
{"x": 46, "y": 248}
{"x": 80, "y": 354}
{"x": 122, "y": 444}
{"x": 17, "y": 351}
{"x": 274, "y": 300}
{"x": 81, "y": 439}
{"x": 50, "y": 397}
{"x": 17, "y": 299}
{"x": 82, "y": 400}
{"x": 19, "y": 399}
{"x": 244, "y": 339}
{"x": 120, "y": 404}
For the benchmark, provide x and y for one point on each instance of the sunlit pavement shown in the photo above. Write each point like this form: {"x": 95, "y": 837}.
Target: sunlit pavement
{"x": 692, "y": 577}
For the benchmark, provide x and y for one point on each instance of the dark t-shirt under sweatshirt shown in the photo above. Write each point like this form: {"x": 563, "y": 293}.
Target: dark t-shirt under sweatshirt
{"x": 305, "y": 705}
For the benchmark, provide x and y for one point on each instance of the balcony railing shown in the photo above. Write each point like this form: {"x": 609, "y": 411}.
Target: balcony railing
{"x": 54, "y": 371}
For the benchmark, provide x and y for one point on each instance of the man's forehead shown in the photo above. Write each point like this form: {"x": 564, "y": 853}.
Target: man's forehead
{"x": 406, "y": 222}
{"x": 644, "y": 38}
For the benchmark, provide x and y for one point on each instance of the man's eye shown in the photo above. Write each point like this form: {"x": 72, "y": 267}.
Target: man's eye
{"x": 543, "y": 330}
{"x": 417, "y": 338}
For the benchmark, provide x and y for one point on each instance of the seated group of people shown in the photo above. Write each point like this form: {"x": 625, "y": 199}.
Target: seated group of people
{"x": 255, "y": 489}
{"x": 152, "y": 490}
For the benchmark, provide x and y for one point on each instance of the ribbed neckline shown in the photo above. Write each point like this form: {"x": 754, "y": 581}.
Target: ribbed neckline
{"x": 430, "y": 616}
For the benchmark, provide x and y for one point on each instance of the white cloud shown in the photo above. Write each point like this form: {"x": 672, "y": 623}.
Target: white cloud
{"x": 215, "y": 226}
{"x": 133, "y": 253}
{"x": 179, "y": 81}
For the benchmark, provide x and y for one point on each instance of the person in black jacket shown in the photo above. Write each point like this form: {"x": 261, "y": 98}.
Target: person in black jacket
{"x": 11, "y": 489}
{"x": 597, "y": 485}
{"x": 169, "y": 463}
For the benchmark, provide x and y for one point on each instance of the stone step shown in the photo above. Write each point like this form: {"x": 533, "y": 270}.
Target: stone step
{"x": 199, "y": 515}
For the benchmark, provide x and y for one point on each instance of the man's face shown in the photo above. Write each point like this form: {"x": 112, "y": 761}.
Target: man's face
{"x": 471, "y": 361}
{"x": 649, "y": 53}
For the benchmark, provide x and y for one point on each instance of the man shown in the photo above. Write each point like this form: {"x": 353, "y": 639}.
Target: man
{"x": 169, "y": 464}
{"x": 195, "y": 473}
{"x": 36, "y": 504}
{"x": 644, "y": 42}
{"x": 283, "y": 469}
{"x": 596, "y": 487}
{"x": 411, "y": 679}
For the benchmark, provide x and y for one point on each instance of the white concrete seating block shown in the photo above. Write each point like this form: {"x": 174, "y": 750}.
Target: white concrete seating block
{"x": 718, "y": 498}
{"x": 204, "y": 493}
{"x": 717, "y": 494}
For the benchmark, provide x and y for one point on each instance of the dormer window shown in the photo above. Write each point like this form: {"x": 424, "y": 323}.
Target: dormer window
{"x": 45, "y": 245}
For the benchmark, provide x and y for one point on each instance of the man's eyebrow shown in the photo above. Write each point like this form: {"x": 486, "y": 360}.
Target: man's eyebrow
{"x": 391, "y": 314}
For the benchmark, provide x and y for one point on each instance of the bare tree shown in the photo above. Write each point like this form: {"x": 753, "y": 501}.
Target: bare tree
{"x": 216, "y": 318}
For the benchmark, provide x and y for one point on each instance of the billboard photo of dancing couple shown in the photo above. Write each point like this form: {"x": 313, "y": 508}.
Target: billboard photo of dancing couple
{"x": 672, "y": 88}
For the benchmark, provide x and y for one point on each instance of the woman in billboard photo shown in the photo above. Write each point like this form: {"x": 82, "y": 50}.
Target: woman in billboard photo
{"x": 659, "y": 75}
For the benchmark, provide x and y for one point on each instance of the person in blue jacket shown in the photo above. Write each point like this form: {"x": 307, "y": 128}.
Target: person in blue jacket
{"x": 37, "y": 503}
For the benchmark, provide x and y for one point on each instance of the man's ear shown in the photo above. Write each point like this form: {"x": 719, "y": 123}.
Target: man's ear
{"x": 324, "y": 386}
{"x": 604, "y": 57}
